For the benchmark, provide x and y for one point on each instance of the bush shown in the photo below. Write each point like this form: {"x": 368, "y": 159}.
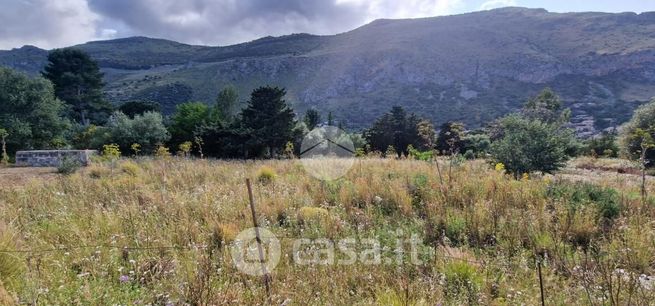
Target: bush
{"x": 462, "y": 278}
{"x": 606, "y": 200}
{"x": 266, "y": 175}
{"x": 308, "y": 215}
{"x": 68, "y": 165}
{"x": 531, "y": 145}
{"x": 642, "y": 121}
{"x": 147, "y": 130}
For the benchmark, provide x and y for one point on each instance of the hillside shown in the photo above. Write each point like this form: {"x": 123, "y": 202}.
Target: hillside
{"x": 472, "y": 67}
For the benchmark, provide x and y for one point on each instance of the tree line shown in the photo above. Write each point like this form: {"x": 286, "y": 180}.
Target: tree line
{"x": 65, "y": 108}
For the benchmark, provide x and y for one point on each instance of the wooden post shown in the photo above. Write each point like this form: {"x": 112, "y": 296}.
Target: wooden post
{"x": 541, "y": 282}
{"x": 267, "y": 278}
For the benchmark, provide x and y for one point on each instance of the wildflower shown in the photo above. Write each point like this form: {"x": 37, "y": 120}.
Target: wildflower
{"x": 500, "y": 167}
{"x": 124, "y": 279}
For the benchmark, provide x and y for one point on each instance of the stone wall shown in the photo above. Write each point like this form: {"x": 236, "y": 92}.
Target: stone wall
{"x": 52, "y": 158}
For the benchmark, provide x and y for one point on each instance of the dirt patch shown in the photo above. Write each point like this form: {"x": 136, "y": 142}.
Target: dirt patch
{"x": 19, "y": 176}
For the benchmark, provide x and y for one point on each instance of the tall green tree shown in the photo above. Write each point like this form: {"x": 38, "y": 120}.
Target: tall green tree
{"x": 188, "y": 117}
{"x": 312, "y": 118}
{"x": 395, "y": 128}
{"x": 451, "y": 138}
{"x": 78, "y": 82}
{"x": 547, "y": 107}
{"x": 30, "y": 113}
{"x": 227, "y": 103}
{"x": 269, "y": 121}
{"x": 632, "y": 134}
{"x": 531, "y": 145}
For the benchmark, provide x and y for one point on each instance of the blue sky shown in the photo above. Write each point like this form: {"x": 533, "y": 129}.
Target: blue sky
{"x": 60, "y": 23}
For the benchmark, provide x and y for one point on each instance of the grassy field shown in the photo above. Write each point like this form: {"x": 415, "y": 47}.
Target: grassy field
{"x": 160, "y": 232}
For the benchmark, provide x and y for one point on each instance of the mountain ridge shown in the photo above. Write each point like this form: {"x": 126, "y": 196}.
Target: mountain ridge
{"x": 471, "y": 67}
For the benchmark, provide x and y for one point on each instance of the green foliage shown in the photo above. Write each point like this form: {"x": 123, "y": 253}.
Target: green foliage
{"x": 268, "y": 121}
{"x": 604, "y": 145}
{"x": 462, "y": 279}
{"x": 134, "y": 108}
{"x": 29, "y": 112}
{"x": 635, "y": 135}
{"x": 78, "y": 82}
{"x": 188, "y": 117}
{"x": 68, "y": 165}
{"x": 162, "y": 152}
{"x": 546, "y": 107}
{"x": 478, "y": 143}
{"x": 420, "y": 155}
{"x": 606, "y": 200}
{"x": 4, "y": 160}
{"x": 185, "y": 148}
{"x": 399, "y": 130}
{"x": 451, "y": 138}
{"x": 531, "y": 145}
{"x": 147, "y": 130}
{"x": 312, "y": 119}
{"x": 227, "y": 102}
{"x": 111, "y": 152}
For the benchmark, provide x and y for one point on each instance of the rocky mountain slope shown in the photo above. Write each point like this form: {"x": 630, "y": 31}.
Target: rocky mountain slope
{"x": 472, "y": 67}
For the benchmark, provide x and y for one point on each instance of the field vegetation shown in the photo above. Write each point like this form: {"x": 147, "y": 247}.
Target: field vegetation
{"x": 158, "y": 232}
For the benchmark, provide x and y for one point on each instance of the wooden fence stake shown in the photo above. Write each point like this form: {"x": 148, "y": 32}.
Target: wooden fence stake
{"x": 541, "y": 282}
{"x": 267, "y": 277}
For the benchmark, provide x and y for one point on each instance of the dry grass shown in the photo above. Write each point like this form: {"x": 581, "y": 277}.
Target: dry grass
{"x": 105, "y": 235}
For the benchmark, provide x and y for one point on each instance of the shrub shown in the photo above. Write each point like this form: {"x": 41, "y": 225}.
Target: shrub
{"x": 462, "y": 278}
{"x": 162, "y": 152}
{"x": 68, "y": 165}
{"x": 111, "y": 152}
{"x": 147, "y": 130}
{"x": 630, "y": 140}
{"x": 308, "y": 215}
{"x": 531, "y": 145}
{"x": 606, "y": 200}
{"x": 266, "y": 175}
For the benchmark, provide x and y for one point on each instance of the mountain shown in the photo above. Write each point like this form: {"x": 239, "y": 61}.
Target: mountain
{"x": 472, "y": 67}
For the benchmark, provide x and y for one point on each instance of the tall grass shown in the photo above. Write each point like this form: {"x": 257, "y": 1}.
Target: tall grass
{"x": 157, "y": 231}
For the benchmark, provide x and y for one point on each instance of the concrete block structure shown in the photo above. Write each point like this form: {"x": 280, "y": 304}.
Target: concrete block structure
{"x": 52, "y": 158}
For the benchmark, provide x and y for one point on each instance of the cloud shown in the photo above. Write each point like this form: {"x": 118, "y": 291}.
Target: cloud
{"x": 45, "y": 23}
{"x": 492, "y": 4}
{"x": 57, "y": 23}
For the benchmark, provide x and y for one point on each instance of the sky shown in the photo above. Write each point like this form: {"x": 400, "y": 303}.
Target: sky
{"x": 60, "y": 23}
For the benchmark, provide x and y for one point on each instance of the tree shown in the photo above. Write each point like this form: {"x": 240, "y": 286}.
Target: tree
{"x": 642, "y": 120}
{"x": 30, "y": 113}
{"x": 268, "y": 120}
{"x": 395, "y": 128}
{"x": 134, "y": 108}
{"x": 531, "y": 145}
{"x": 312, "y": 119}
{"x": 78, "y": 82}
{"x": 4, "y": 160}
{"x": 188, "y": 117}
{"x": 546, "y": 107}
{"x": 451, "y": 138}
{"x": 602, "y": 145}
{"x": 426, "y": 135}
{"x": 147, "y": 130}
{"x": 330, "y": 119}
{"x": 226, "y": 103}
